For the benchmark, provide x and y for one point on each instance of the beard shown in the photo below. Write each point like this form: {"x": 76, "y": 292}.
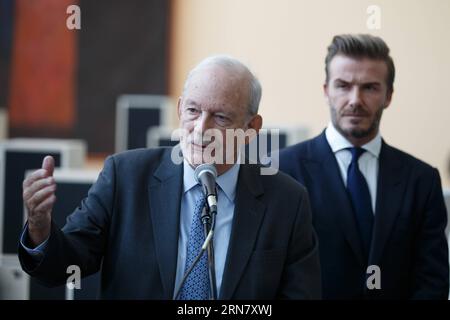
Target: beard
{"x": 358, "y": 133}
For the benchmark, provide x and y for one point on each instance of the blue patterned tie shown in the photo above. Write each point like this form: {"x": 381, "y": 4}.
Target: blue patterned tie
{"x": 196, "y": 286}
{"x": 361, "y": 200}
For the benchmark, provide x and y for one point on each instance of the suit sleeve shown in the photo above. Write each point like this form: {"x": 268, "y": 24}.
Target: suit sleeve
{"x": 431, "y": 271}
{"x": 302, "y": 277}
{"x": 82, "y": 241}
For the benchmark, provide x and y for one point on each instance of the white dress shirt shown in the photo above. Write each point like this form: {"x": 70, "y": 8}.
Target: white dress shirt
{"x": 368, "y": 161}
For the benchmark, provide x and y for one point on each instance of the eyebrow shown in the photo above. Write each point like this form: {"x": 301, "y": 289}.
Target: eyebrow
{"x": 227, "y": 113}
{"x": 364, "y": 83}
{"x": 192, "y": 102}
{"x": 373, "y": 83}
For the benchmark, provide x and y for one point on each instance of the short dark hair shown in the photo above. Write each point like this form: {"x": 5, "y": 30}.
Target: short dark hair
{"x": 361, "y": 46}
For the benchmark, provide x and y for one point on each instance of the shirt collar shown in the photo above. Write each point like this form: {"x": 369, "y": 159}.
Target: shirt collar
{"x": 338, "y": 142}
{"x": 226, "y": 181}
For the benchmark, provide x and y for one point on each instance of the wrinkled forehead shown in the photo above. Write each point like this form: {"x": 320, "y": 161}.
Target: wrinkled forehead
{"x": 218, "y": 84}
{"x": 218, "y": 76}
{"x": 363, "y": 69}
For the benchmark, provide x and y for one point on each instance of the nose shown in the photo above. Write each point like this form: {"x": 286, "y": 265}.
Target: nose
{"x": 355, "y": 98}
{"x": 203, "y": 123}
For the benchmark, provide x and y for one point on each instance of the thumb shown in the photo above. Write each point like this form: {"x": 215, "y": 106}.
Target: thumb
{"x": 49, "y": 165}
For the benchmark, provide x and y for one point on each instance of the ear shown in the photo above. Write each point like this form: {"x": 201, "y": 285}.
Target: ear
{"x": 179, "y": 108}
{"x": 325, "y": 91}
{"x": 255, "y": 124}
{"x": 388, "y": 98}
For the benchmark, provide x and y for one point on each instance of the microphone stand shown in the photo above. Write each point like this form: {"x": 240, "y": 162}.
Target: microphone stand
{"x": 209, "y": 222}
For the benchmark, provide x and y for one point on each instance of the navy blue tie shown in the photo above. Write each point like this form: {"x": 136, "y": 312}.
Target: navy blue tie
{"x": 196, "y": 286}
{"x": 361, "y": 200}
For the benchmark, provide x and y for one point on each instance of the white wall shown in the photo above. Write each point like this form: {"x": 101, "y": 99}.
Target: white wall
{"x": 284, "y": 42}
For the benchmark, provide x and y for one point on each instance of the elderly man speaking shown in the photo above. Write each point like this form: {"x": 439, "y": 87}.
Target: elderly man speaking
{"x": 140, "y": 222}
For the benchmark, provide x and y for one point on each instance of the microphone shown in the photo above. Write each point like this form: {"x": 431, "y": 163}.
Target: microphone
{"x": 206, "y": 175}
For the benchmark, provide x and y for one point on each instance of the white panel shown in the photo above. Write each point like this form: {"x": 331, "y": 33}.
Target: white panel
{"x": 72, "y": 155}
{"x": 14, "y": 283}
{"x": 139, "y": 101}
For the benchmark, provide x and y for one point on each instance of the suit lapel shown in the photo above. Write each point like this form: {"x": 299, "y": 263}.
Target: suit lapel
{"x": 165, "y": 188}
{"x": 392, "y": 178}
{"x": 248, "y": 215}
{"x": 326, "y": 170}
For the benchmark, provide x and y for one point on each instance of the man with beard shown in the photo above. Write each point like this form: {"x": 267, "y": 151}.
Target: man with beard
{"x": 379, "y": 213}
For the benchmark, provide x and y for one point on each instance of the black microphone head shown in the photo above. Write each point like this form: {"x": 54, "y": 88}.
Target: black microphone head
{"x": 206, "y": 168}
{"x": 206, "y": 175}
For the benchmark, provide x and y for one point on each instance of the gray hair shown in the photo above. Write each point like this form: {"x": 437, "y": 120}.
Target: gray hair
{"x": 231, "y": 63}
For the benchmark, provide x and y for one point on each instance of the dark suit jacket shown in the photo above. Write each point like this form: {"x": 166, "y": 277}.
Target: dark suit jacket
{"x": 129, "y": 224}
{"x": 409, "y": 243}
